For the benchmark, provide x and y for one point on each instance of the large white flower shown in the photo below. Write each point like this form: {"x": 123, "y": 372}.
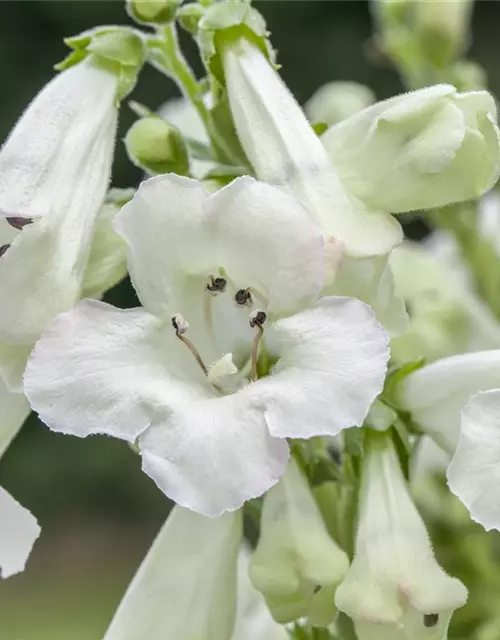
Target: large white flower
{"x": 186, "y": 586}
{"x": 474, "y": 472}
{"x": 394, "y": 589}
{"x": 242, "y": 267}
{"x": 416, "y": 151}
{"x": 54, "y": 172}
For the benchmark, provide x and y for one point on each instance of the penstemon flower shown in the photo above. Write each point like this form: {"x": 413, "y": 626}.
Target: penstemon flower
{"x": 228, "y": 282}
{"x": 394, "y": 589}
{"x": 185, "y": 588}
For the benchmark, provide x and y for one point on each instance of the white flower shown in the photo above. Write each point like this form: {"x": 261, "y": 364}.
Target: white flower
{"x": 446, "y": 316}
{"x": 474, "y": 472}
{"x": 18, "y": 532}
{"x": 394, "y": 589}
{"x": 54, "y": 172}
{"x": 419, "y": 150}
{"x": 436, "y": 394}
{"x": 253, "y": 620}
{"x": 296, "y": 565}
{"x": 215, "y": 260}
{"x": 185, "y": 588}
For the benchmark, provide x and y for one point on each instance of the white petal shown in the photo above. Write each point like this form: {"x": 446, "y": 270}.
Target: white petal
{"x": 261, "y": 236}
{"x": 211, "y": 456}
{"x": 474, "y": 472}
{"x": 437, "y": 393}
{"x": 54, "y": 166}
{"x": 18, "y": 532}
{"x": 14, "y": 410}
{"x": 332, "y": 364}
{"x": 98, "y": 369}
{"x": 410, "y": 627}
{"x": 420, "y": 150}
{"x": 186, "y": 586}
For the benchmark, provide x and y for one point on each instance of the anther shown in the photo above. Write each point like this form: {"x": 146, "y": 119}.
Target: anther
{"x": 181, "y": 326}
{"x": 18, "y": 222}
{"x": 257, "y": 319}
{"x": 431, "y": 620}
{"x": 243, "y": 297}
{"x": 216, "y": 285}
{"x": 3, "y": 249}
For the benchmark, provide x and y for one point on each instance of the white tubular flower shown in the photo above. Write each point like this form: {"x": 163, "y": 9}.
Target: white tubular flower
{"x": 186, "y": 586}
{"x": 446, "y": 316}
{"x": 474, "y": 472}
{"x": 18, "y": 533}
{"x": 296, "y": 565}
{"x": 394, "y": 589}
{"x": 436, "y": 394}
{"x": 419, "y": 150}
{"x": 54, "y": 172}
{"x": 235, "y": 272}
{"x": 253, "y": 619}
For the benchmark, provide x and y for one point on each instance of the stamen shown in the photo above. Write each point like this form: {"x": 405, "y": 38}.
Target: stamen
{"x": 257, "y": 319}
{"x": 431, "y": 620}
{"x": 243, "y": 297}
{"x": 3, "y": 249}
{"x": 181, "y": 326}
{"x": 18, "y": 222}
{"x": 216, "y": 285}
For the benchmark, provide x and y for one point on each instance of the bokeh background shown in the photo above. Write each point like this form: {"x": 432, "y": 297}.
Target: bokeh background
{"x": 98, "y": 512}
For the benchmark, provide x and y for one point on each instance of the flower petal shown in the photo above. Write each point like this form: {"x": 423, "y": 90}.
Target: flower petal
{"x": 261, "y": 236}
{"x": 185, "y": 588}
{"x": 98, "y": 369}
{"x": 18, "y": 532}
{"x": 474, "y": 472}
{"x": 332, "y": 363}
{"x": 436, "y": 394}
{"x": 211, "y": 456}
{"x": 14, "y": 411}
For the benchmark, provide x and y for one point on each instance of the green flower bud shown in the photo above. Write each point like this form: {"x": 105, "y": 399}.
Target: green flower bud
{"x": 152, "y": 11}
{"x": 157, "y": 146}
{"x": 189, "y": 16}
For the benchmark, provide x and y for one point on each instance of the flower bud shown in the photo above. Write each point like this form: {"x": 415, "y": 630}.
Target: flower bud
{"x": 189, "y": 15}
{"x": 336, "y": 101}
{"x": 394, "y": 588}
{"x": 152, "y": 11}
{"x": 157, "y": 146}
{"x": 296, "y": 561}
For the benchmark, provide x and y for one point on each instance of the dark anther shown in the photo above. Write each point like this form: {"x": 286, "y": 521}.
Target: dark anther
{"x": 431, "y": 620}
{"x": 258, "y": 319}
{"x": 3, "y": 249}
{"x": 243, "y": 297}
{"x": 216, "y": 285}
{"x": 18, "y": 222}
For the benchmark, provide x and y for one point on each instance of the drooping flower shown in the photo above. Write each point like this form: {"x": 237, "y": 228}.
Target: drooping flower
{"x": 394, "y": 589}
{"x": 474, "y": 472}
{"x": 419, "y": 150}
{"x": 185, "y": 588}
{"x": 296, "y": 564}
{"x": 228, "y": 282}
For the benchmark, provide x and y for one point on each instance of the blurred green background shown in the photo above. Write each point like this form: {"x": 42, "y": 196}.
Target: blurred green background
{"x": 98, "y": 512}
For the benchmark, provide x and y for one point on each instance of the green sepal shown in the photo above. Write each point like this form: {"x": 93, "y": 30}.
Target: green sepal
{"x": 395, "y": 376}
{"x": 189, "y": 16}
{"x": 319, "y": 128}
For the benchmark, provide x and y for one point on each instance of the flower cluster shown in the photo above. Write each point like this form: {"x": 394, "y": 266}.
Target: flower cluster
{"x": 273, "y": 365}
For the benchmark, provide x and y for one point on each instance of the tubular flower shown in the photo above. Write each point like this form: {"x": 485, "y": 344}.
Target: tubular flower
{"x": 228, "y": 282}
{"x": 394, "y": 589}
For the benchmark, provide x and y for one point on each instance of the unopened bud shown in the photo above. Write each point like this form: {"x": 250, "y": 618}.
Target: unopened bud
{"x": 152, "y": 11}
{"x": 189, "y": 16}
{"x": 157, "y": 146}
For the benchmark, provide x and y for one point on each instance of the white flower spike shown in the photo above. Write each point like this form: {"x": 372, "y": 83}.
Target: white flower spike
{"x": 474, "y": 472}
{"x": 419, "y": 150}
{"x": 54, "y": 172}
{"x": 18, "y": 533}
{"x": 186, "y": 586}
{"x": 296, "y": 565}
{"x": 212, "y": 442}
{"x": 436, "y": 394}
{"x": 394, "y": 589}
